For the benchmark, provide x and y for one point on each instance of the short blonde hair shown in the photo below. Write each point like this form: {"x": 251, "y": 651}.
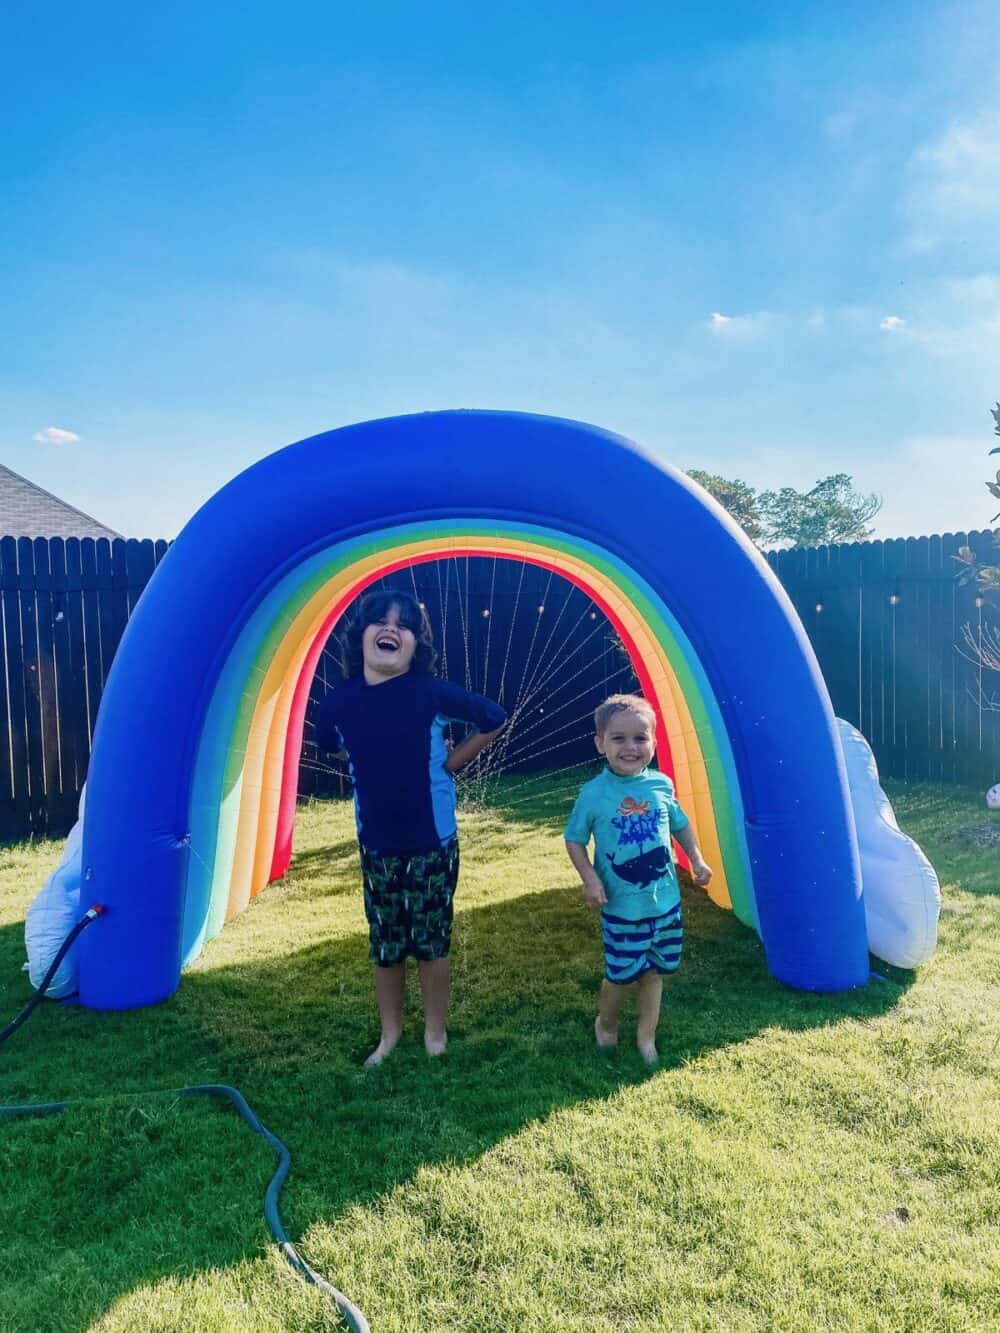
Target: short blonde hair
{"x": 621, "y": 703}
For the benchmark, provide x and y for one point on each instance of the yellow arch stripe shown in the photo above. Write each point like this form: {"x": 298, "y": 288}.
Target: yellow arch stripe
{"x": 260, "y": 793}
{"x": 259, "y": 806}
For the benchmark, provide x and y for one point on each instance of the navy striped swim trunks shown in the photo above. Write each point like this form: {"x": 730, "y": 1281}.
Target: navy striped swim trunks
{"x": 632, "y": 948}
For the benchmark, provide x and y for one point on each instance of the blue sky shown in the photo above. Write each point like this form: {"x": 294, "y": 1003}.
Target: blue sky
{"x": 763, "y": 240}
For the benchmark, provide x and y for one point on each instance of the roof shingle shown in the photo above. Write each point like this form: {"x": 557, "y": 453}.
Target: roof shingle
{"x": 28, "y": 511}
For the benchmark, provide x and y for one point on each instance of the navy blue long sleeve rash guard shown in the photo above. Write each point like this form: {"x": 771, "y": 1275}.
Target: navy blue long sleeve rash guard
{"x": 394, "y": 737}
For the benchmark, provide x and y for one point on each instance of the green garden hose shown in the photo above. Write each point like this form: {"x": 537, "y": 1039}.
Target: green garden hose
{"x": 355, "y": 1319}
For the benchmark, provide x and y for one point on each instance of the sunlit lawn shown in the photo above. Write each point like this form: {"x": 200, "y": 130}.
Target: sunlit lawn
{"x": 797, "y": 1162}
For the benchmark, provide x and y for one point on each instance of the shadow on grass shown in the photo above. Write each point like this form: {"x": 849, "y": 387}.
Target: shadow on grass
{"x": 538, "y": 800}
{"x": 327, "y": 861}
{"x": 138, "y": 1191}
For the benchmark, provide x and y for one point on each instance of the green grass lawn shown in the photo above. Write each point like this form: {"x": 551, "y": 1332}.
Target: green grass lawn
{"x": 797, "y": 1162}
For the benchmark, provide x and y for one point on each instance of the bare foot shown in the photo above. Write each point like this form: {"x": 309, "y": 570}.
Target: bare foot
{"x": 606, "y": 1041}
{"x": 648, "y": 1051}
{"x": 435, "y": 1043}
{"x": 380, "y": 1052}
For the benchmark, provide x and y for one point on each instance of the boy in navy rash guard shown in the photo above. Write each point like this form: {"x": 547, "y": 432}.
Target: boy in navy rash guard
{"x": 388, "y": 717}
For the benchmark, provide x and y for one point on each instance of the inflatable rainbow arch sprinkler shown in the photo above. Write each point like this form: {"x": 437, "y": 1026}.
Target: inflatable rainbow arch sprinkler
{"x": 192, "y": 781}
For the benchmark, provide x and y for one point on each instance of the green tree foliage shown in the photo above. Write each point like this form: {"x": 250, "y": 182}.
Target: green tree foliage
{"x": 831, "y": 512}
{"x": 986, "y": 576}
{"x": 739, "y": 499}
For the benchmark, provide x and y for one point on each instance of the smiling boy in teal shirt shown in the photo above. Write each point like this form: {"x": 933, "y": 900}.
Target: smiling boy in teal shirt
{"x": 631, "y": 813}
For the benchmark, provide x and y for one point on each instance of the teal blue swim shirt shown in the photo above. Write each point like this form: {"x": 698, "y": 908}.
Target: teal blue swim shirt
{"x": 631, "y": 820}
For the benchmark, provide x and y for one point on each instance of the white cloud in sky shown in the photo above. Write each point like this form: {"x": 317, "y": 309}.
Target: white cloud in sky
{"x": 55, "y": 435}
{"x": 929, "y": 484}
{"x": 818, "y": 320}
{"x": 959, "y": 324}
{"x": 957, "y": 320}
{"x": 753, "y": 325}
{"x": 953, "y": 182}
{"x": 963, "y": 165}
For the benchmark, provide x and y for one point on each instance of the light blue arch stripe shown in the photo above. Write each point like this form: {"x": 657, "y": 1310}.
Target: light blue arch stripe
{"x": 215, "y": 798}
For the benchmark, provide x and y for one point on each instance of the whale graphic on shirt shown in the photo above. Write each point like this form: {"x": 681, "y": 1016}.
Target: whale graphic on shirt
{"x": 644, "y": 869}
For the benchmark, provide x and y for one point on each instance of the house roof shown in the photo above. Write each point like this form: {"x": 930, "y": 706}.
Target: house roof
{"x": 26, "y": 510}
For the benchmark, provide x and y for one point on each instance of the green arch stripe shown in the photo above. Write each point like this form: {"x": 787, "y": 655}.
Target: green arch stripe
{"x": 218, "y": 772}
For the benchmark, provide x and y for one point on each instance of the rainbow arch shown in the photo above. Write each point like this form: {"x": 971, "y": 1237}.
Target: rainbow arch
{"x": 189, "y": 811}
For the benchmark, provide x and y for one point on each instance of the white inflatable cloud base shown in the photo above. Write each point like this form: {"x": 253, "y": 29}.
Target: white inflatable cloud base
{"x": 53, "y": 914}
{"x": 901, "y": 893}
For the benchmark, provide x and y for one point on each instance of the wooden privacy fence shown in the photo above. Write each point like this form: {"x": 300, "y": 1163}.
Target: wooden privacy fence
{"x": 885, "y": 619}
{"x": 63, "y": 607}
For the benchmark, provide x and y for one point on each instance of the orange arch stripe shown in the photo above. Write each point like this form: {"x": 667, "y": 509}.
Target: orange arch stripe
{"x": 263, "y": 768}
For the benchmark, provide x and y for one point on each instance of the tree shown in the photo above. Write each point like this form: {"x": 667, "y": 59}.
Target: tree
{"x": 739, "y": 499}
{"x": 982, "y": 643}
{"x": 831, "y": 512}
{"x": 986, "y": 576}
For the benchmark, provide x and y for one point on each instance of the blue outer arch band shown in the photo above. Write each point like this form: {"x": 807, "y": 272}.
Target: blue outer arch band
{"x": 542, "y": 471}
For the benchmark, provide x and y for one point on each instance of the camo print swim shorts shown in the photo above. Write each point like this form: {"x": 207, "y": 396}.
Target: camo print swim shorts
{"x": 408, "y": 903}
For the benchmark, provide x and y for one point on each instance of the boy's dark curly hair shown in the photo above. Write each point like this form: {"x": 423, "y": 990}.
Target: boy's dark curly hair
{"x": 372, "y": 609}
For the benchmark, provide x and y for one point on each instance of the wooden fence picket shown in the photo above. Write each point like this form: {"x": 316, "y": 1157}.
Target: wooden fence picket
{"x": 17, "y": 807}
{"x": 90, "y": 607}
